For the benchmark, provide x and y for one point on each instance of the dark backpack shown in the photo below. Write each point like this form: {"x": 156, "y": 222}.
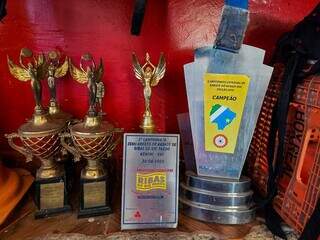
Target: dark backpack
{"x": 294, "y": 49}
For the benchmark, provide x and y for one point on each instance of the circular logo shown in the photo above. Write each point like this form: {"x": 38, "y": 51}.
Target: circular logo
{"x": 220, "y": 141}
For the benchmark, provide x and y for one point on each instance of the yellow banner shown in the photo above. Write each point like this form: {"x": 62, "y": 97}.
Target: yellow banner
{"x": 224, "y": 99}
{"x": 151, "y": 181}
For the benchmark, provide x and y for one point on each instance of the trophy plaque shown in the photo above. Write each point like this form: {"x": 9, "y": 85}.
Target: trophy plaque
{"x": 94, "y": 140}
{"x": 150, "y": 181}
{"x": 225, "y": 86}
{"x": 151, "y": 164}
{"x": 40, "y": 138}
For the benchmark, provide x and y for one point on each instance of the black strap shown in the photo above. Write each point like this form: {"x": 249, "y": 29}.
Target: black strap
{"x": 137, "y": 18}
{"x": 312, "y": 228}
{"x": 278, "y": 130}
{"x": 3, "y": 11}
{"x": 273, "y": 221}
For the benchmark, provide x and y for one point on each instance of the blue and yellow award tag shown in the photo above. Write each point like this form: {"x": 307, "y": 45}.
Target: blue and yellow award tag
{"x": 224, "y": 99}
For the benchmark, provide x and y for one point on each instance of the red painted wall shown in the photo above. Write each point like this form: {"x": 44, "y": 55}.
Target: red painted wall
{"x": 102, "y": 27}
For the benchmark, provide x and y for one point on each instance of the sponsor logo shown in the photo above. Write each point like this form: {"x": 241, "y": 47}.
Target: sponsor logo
{"x": 151, "y": 181}
{"x": 137, "y": 214}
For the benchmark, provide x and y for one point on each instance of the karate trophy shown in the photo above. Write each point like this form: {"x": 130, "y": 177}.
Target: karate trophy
{"x": 94, "y": 140}
{"x": 40, "y": 138}
{"x": 150, "y": 164}
{"x": 149, "y": 76}
{"x": 225, "y": 84}
{"x": 54, "y": 71}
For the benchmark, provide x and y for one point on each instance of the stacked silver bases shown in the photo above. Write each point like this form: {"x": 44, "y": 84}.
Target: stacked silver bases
{"x": 217, "y": 200}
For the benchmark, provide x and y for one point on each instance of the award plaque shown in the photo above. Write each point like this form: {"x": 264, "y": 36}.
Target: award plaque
{"x": 225, "y": 86}
{"x": 150, "y": 181}
{"x": 40, "y": 138}
{"x": 93, "y": 139}
{"x": 150, "y": 164}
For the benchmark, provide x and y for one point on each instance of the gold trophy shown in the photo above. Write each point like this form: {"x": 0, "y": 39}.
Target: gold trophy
{"x": 94, "y": 140}
{"x": 149, "y": 76}
{"x": 40, "y": 138}
{"x": 55, "y": 71}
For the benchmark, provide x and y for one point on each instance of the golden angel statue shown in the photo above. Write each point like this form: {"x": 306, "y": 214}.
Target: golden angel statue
{"x": 34, "y": 71}
{"x": 55, "y": 71}
{"x": 92, "y": 75}
{"x": 149, "y": 76}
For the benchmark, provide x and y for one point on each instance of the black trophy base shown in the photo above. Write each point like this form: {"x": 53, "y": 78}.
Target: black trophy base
{"x": 51, "y": 196}
{"x": 93, "y": 212}
{"x": 94, "y": 197}
{"x": 43, "y": 213}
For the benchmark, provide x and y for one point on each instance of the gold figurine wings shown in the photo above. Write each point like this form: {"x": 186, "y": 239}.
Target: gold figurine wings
{"x": 18, "y": 72}
{"x": 81, "y": 76}
{"x": 21, "y": 72}
{"x": 62, "y": 70}
{"x": 143, "y": 72}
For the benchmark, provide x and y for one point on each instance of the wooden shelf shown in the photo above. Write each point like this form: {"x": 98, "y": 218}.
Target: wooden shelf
{"x": 22, "y": 224}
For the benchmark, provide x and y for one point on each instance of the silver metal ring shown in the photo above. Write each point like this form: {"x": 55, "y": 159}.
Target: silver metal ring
{"x": 218, "y": 184}
{"x": 231, "y": 200}
{"x": 221, "y": 215}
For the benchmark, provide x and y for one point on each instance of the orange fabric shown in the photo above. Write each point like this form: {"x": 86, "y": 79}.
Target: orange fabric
{"x": 14, "y": 183}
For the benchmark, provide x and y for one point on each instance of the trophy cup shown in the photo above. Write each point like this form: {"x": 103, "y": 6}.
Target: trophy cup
{"x": 54, "y": 71}
{"x": 40, "y": 138}
{"x": 149, "y": 76}
{"x": 94, "y": 140}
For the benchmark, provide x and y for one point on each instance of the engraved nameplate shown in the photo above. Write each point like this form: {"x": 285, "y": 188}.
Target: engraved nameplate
{"x": 150, "y": 181}
{"x": 94, "y": 194}
{"x": 51, "y": 195}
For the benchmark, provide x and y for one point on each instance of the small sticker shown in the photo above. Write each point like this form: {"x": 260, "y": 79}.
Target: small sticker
{"x": 220, "y": 141}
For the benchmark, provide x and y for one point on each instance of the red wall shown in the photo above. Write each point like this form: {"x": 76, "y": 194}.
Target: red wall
{"x": 102, "y": 27}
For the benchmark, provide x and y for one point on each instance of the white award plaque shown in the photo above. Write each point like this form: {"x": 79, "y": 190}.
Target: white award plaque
{"x": 150, "y": 181}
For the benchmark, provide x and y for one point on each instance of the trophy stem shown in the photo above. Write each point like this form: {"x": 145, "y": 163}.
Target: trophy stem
{"x": 38, "y": 110}
{"x": 40, "y": 118}
{"x": 48, "y": 169}
{"x": 93, "y": 170}
{"x": 147, "y": 124}
{"x": 53, "y": 108}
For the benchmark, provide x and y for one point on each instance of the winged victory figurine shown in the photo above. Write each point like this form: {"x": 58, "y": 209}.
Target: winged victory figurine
{"x": 149, "y": 76}
{"x": 55, "y": 71}
{"x": 92, "y": 75}
{"x": 34, "y": 71}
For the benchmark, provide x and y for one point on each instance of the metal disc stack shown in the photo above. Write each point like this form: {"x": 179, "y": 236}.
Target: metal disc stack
{"x": 217, "y": 200}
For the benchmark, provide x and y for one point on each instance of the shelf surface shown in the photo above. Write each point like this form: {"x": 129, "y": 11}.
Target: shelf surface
{"x": 22, "y": 224}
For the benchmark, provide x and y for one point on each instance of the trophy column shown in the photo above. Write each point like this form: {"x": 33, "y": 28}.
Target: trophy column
{"x": 40, "y": 138}
{"x": 94, "y": 140}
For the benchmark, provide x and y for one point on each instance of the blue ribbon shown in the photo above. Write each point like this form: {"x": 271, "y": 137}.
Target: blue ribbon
{"x": 237, "y": 3}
